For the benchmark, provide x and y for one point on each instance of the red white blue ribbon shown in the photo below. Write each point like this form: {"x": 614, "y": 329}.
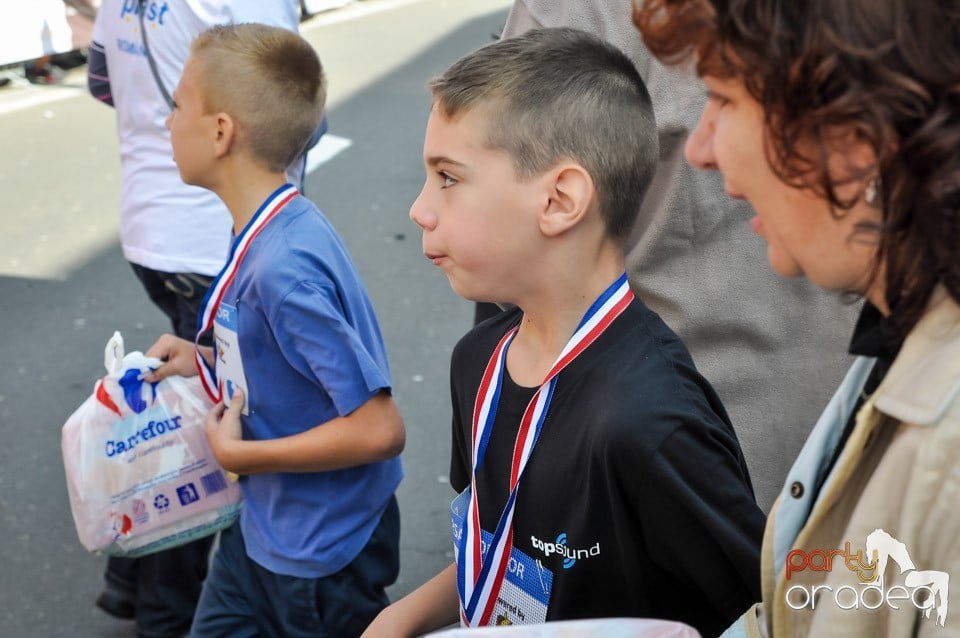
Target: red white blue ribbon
{"x": 479, "y": 578}
{"x": 208, "y": 309}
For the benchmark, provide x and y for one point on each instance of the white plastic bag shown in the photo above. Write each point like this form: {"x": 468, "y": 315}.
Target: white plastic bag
{"x": 605, "y": 627}
{"x": 140, "y": 473}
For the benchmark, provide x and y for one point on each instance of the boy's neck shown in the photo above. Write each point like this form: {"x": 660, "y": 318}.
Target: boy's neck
{"x": 552, "y": 313}
{"x": 244, "y": 193}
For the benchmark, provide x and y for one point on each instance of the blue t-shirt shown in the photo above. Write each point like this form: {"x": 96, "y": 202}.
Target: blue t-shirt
{"x": 312, "y": 351}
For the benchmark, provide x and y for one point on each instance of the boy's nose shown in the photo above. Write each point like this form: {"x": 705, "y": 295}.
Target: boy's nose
{"x": 420, "y": 213}
{"x": 699, "y": 147}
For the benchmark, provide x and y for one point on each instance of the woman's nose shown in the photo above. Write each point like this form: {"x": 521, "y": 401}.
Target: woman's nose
{"x": 699, "y": 147}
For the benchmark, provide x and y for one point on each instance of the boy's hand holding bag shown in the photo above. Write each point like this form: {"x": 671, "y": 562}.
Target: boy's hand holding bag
{"x": 140, "y": 473}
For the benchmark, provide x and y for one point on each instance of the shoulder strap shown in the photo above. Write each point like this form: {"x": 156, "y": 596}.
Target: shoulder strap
{"x": 150, "y": 60}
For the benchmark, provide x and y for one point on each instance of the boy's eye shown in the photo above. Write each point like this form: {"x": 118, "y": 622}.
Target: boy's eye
{"x": 448, "y": 180}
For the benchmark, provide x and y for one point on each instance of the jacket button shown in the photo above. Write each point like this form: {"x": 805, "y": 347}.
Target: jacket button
{"x": 796, "y": 489}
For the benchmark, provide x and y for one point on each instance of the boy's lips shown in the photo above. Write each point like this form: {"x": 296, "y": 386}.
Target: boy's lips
{"x": 436, "y": 258}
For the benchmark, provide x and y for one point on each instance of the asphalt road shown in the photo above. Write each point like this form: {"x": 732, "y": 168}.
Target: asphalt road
{"x": 65, "y": 287}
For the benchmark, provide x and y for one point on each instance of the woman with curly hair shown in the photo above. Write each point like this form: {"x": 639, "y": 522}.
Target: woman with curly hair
{"x": 839, "y": 121}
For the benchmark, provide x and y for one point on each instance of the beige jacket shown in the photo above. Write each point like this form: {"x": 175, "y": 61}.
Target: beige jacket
{"x": 899, "y": 472}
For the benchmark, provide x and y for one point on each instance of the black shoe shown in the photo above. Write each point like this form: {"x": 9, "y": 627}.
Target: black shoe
{"x": 116, "y": 603}
{"x": 42, "y": 73}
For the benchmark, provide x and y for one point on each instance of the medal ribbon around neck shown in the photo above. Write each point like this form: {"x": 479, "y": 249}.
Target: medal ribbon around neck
{"x": 478, "y": 580}
{"x": 208, "y": 309}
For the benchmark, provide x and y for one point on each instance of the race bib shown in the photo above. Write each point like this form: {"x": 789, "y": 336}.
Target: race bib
{"x": 525, "y": 593}
{"x": 229, "y": 362}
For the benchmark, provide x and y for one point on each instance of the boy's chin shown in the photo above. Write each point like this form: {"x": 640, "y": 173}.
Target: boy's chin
{"x": 478, "y": 292}
{"x": 465, "y": 291}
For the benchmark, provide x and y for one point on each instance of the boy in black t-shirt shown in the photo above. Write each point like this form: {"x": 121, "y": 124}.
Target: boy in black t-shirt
{"x": 598, "y": 472}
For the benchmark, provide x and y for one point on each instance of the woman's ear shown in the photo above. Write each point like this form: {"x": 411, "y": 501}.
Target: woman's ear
{"x": 571, "y": 195}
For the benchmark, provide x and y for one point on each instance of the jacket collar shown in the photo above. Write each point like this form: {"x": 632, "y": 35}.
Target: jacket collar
{"x": 925, "y": 377}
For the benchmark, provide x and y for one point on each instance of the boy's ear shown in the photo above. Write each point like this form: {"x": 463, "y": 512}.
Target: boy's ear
{"x": 224, "y": 134}
{"x": 571, "y": 194}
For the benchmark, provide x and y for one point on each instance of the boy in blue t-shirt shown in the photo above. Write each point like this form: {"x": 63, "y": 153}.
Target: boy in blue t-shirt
{"x": 306, "y": 417}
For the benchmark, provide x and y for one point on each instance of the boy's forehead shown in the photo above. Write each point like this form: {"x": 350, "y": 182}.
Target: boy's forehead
{"x": 191, "y": 84}
{"x": 463, "y": 131}
{"x": 190, "y": 71}
{"x": 441, "y": 117}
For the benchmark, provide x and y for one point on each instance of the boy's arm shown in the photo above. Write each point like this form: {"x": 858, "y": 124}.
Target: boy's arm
{"x": 373, "y": 432}
{"x": 435, "y": 604}
{"x": 431, "y": 606}
{"x": 707, "y": 528}
{"x": 314, "y": 338}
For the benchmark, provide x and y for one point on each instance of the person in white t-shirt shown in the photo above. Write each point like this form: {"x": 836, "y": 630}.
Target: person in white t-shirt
{"x": 175, "y": 236}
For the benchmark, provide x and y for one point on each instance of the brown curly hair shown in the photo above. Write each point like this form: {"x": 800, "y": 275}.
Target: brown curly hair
{"x": 888, "y": 70}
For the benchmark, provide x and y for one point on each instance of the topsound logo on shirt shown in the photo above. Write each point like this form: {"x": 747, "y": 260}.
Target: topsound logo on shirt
{"x": 924, "y": 589}
{"x": 559, "y": 546}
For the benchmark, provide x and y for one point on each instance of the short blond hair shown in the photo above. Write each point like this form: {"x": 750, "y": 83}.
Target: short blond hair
{"x": 269, "y": 80}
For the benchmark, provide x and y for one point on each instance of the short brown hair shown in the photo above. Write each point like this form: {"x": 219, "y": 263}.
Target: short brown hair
{"x": 889, "y": 70}
{"x": 270, "y": 80}
{"x": 562, "y": 93}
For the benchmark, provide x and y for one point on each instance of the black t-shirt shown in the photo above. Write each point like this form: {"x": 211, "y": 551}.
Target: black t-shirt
{"x": 637, "y": 464}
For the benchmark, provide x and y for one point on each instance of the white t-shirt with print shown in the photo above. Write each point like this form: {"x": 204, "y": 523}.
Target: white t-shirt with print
{"x": 165, "y": 224}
